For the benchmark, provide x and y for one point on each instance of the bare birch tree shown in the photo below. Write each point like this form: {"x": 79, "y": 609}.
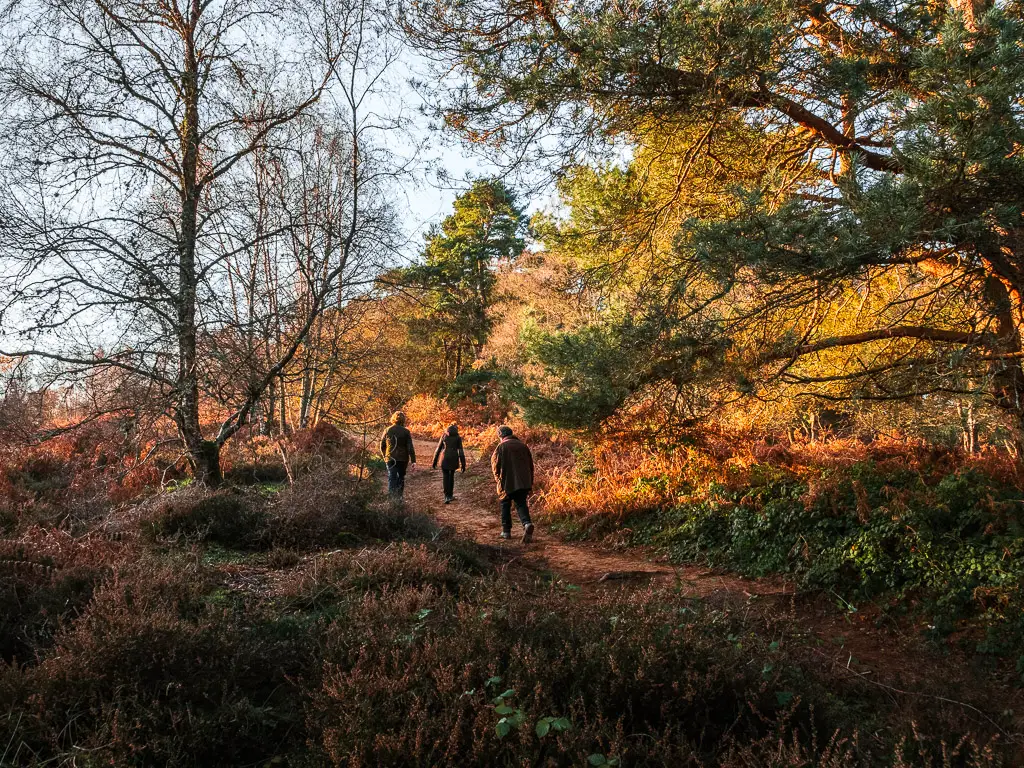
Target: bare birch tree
{"x": 129, "y": 129}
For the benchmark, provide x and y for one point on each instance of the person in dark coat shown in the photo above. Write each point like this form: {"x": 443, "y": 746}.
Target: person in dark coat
{"x": 512, "y": 465}
{"x": 449, "y": 451}
{"x": 398, "y": 451}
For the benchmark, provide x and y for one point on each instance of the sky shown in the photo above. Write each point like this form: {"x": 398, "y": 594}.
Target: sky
{"x": 429, "y": 196}
{"x": 445, "y": 166}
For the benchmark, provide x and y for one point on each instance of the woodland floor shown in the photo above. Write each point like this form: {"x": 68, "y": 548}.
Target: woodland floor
{"x": 862, "y": 643}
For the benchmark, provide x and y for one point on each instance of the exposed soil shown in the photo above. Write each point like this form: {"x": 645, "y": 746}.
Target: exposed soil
{"x": 475, "y": 515}
{"x": 854, "y": 643}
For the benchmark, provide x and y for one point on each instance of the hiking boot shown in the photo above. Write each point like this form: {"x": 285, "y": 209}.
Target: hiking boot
{"x": 506, "y": 534}
{"x": 527, "y": 533}
{"x": 447, "y": 499}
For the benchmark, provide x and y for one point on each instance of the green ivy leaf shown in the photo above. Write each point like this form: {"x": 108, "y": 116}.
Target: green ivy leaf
{"x": 504, "y": 709}
{"x": 597, "y": 759}
{"x": 502, "y": 728}
{"x": 543, "y": 726}
{"x": 561, "y": 724}
{"x": 783, "y": 697}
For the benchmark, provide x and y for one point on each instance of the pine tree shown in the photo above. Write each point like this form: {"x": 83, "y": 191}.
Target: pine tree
{"x": 455, "y": 281}
{"x": 882, "y": 167}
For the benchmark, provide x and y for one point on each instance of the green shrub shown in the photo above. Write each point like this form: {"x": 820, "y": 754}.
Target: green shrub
{"x": 951, "y": 543}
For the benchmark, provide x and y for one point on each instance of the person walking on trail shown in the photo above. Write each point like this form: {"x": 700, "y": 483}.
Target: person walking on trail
{"x": 512, "y": 465}
{"x": 398, "y": 451}
{"x": 449, "y": 451}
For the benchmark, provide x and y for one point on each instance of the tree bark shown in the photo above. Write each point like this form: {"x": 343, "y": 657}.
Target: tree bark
{"x": 204, "y": 456}
{"x": 283, "y": 404}
{"x": 1005, "y": 369}
{"x": 308, "y": 390}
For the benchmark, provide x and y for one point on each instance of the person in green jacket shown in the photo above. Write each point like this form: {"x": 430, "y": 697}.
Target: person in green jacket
{"x": 452, "y": 456}
{"x": 397, "y": 448}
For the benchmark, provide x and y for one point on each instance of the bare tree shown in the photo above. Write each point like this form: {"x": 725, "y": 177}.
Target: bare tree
{"x": 130, "y": 137}
{"x": 334, "y": 230}
{"x": 326, "y": 193}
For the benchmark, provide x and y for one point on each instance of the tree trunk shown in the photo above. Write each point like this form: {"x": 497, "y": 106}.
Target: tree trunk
{"x": 206, "y": 468}
{"x": 269, "y": 403}
{"x": 204, "y": 457}
{"x": 308, "y": 390}
{"x": 1007, "y": 377}
{"x": 969, "y": 426}
{"x": 970, "y": 10}
{"x": 283, "y": 403}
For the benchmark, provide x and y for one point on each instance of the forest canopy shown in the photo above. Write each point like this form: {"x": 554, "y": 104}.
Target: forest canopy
{"x": 819, "y": 199}
{"x": 762, "y": 214}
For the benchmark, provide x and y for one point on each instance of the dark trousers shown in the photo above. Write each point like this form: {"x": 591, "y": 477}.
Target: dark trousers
{"x": 522, "y": 509}
{"x": 448, "y": 482}
{"x": 396, "y": 477}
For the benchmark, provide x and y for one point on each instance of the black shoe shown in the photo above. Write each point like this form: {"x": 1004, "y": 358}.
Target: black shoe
{"x": 447, "y": 499}
{"x": 527, "y": 533}
{"x": 506, "y": 534}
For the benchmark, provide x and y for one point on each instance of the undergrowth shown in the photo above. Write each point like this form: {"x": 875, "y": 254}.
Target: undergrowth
{"x": 319, "y": 626}
{"x": 398, "y": 656}
{"x": 918, "y": 532}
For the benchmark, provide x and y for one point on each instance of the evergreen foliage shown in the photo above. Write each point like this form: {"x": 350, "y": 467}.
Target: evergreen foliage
{"x": 827, "y": 195}
{"x": 454, "y": 284}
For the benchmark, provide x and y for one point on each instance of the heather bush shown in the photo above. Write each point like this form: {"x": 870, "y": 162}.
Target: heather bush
{"x": 325, "y": 580}
{"x": 263, "y": 472}
{"x": 421, "y": 677}
{"x": 36, "y": 599}
{"x": 364, "y": 635}
{"x": 68, "y": 480}
{"x": 230, "y": 518}
{"x": 261, "y": 459}
{"x": 400, "y": 656}
{"x": 152, "y": 673}
{"x": 333, "y": 509}
{"x": 47, "y": 577}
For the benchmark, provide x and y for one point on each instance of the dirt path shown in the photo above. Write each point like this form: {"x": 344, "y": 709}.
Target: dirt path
{"x": 475, "y": 515}
{"x": 853, "y": 644}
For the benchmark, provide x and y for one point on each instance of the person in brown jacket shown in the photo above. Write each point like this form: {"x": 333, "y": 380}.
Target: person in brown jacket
{"x": 397, "y": 448}
{"x": 449, "y": 450}
{"x": 512, "y": 465}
